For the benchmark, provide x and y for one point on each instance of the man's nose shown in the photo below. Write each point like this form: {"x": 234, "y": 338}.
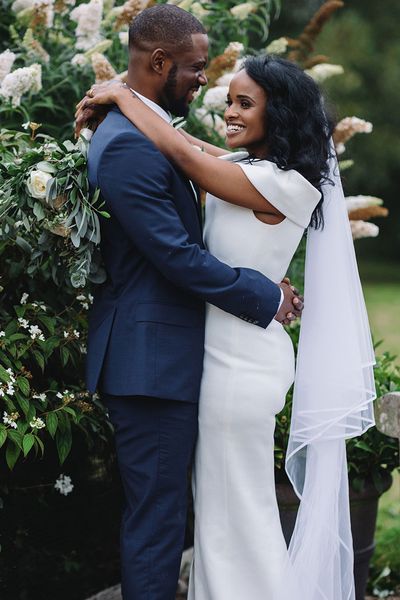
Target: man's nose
{"x": 202, "y": 78}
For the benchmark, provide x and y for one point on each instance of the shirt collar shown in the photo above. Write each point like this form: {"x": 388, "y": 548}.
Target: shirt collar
{"x": 160, "y": 111}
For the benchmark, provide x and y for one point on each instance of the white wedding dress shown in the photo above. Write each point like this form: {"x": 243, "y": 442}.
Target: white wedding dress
{"x": 239, "y": 548}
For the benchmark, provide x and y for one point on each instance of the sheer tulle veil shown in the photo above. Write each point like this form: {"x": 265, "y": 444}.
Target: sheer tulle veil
{"x": 333, "y": 401}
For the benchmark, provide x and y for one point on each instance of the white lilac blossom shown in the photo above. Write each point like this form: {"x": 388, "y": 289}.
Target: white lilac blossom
{"x": 37, "y": 183}
{"x": 225, "y": 80}
{"x": 363, "y": 229}
{"x": 64, "y": 485}
{"x": 24, "y": 298}
{"x": 20, "y": 82}
{"x": 79, "y": 60}
{"x": 211, "y": 122}
{"x": 19, "y": 5}
{"x": 215, "y": 98}
{"x": 124, "y": 37}
{"x": 7, "y": 59}
{"x": 47, "y": 6}
{"x": 357, "y": 202}
{"x": 36, "y": 332}
{"x": 198, "y": 10}
{"x": 323, "y": 71}
{"x": 278, "y": 46}
{"x": 37, "y": 423}
{"x": 10, "y": 419}
{"x": 242, "y": 11}
{"x": 88, "y": 18}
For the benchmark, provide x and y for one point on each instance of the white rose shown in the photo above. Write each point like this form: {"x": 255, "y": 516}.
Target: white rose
{"x": 37, "y": 183}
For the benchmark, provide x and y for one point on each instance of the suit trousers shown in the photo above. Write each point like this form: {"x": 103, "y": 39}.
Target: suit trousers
{"x": 155, "y": 441}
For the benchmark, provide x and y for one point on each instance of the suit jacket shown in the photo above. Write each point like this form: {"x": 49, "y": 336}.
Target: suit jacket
{"x": 146, "y": 327}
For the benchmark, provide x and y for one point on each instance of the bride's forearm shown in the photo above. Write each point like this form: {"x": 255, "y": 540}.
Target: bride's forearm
{"x": 206, "y": 146}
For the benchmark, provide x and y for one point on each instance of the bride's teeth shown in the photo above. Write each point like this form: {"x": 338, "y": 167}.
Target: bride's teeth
{"x": 234, "y": 128}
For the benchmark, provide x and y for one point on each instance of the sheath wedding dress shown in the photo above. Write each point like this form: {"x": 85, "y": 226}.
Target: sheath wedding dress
{"x": 239, "y": 548}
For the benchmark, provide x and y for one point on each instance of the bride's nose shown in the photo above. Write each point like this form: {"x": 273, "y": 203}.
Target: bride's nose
{"x": 230, "y": 112}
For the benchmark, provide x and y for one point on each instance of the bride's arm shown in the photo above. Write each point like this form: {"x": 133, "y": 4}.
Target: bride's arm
{"x": 222, "y": 179}
{"x": 205, "y": 146}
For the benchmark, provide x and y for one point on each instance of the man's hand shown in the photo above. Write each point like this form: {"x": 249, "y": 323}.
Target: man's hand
{"x": 292, "y": 305}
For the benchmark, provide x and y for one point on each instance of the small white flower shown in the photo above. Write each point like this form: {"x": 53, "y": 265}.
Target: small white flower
{"x": 37, "y": 183}
{"x": 37, "y": 423}
{"x": 64, "y": 485}
{"x": 7, "y": 59}
{"x": 10, "y": 419}
{"x": 42, "y": 397}
{"x": 83, "y": 349}
{"x": 90, "y": 298}
{"x": 23, "y": 322}
{"x": 66, "y": 334}
{"x": 26, "y": 125}
{"x": 24, "y": 298}
{"x": 323, "y": 71}
{"x": 76, "y": 333}
{"x": 2, "y": 334}
{"x": 59, "y": 395}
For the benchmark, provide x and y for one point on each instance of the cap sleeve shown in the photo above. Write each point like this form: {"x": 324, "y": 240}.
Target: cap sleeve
{"x": 288, "y": 191}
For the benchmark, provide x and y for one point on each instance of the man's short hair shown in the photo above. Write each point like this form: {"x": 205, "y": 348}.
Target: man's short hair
{"x": 164, "y": 25}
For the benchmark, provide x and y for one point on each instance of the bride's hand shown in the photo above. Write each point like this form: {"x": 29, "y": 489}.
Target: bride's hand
{"x": 93, "y": 108}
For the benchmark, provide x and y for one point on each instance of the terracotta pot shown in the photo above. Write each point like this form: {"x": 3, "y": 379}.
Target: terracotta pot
{"x": 363, "y": 512}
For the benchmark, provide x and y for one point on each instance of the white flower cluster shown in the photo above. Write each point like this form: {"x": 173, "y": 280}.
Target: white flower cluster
{"x": 42, "y": 397}
{"x": 36, "y": 332}
{"x": 21, "y": 81}
{"x": 215, "y": 98}
{"x": 23, "y": 322}
{"x": 19, "y": 5}
{"x": 66, "y": 396}
{"x": 85, "y": 300}
{"x": 9, "y": 386}
{"x": 7, "y": 59}
{"x": 37, "y": 423}
{"x": 323, "y": 71}
{"x": 357, "y": 202}
{"x": 124, "y": 37}
{"x": 363, "y": 229}
{"x": 88, "y": 17}
{"x": 72, "y": 334}
{"x": 64, "y": 485}
{"x": 211, "y": 122}
{"x": 347, "y": 128}
{"x": 2, "y": 334}
{"x": 79, "y": 60}
{"x": 47, "y": 6}
{"x": 242, "y": 10}
{"x": 10, "y": 419}
{"x": 278, "y": 46}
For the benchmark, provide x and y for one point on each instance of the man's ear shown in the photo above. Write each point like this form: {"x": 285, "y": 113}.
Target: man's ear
{"x": 158, "y": 60}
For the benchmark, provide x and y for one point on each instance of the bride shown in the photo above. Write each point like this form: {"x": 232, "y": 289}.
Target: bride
{"x": 275, "y": 112}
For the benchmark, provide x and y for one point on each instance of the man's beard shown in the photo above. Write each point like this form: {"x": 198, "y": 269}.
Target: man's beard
{"x": 178, "y": 106}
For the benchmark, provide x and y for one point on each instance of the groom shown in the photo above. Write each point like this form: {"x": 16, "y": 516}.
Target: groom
{"x": 146, "y": 333}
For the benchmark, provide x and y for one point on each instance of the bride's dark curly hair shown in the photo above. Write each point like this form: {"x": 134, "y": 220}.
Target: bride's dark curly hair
{"x": 297, "y": 124}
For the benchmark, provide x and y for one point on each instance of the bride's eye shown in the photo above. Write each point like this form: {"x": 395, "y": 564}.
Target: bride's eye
{"x": 228, "y": 102}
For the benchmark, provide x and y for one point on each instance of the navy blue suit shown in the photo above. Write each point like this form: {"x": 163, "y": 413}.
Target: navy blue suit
{"x": 146, "y": 337}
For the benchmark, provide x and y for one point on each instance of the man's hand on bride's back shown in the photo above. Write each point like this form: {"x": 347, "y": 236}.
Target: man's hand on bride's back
{"x": 292, "y": 305}
{"x": 94, "y": 106}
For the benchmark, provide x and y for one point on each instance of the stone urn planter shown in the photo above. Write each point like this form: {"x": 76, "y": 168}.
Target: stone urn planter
{"x": 363, "y": 513}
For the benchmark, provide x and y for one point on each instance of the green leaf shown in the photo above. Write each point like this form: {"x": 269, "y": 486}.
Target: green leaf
{"x": 48, "y": 322}
{"x": 12, "y": 454}
{"x": 38, "y": 211}
{"x": 23, "y": 403}
{"x": 3, "y": 435}
{"x": 39, "y": 359}
{"x": 28, "y": 442}
{"x": 105, "y": 214}
{"x": 4, "y": 376}
{"x": 52, "y": 423}
{"x": 23, "y": 385}
{"x": 65, "y": 355}
{"x": 64, "y": 443}
{"x": 40, "y": 443}
{"x": 16, "y": 437}
{"x": 47, "y": 167}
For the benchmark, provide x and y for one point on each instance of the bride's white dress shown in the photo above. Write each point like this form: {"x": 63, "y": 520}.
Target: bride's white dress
{"x": 239, "y": 549}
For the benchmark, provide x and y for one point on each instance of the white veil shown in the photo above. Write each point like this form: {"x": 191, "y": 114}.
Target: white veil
{"x": 333, "y": 394}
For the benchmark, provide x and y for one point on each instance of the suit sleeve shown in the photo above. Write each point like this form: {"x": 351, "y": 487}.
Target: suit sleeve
{"x": 134, "y": 179}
